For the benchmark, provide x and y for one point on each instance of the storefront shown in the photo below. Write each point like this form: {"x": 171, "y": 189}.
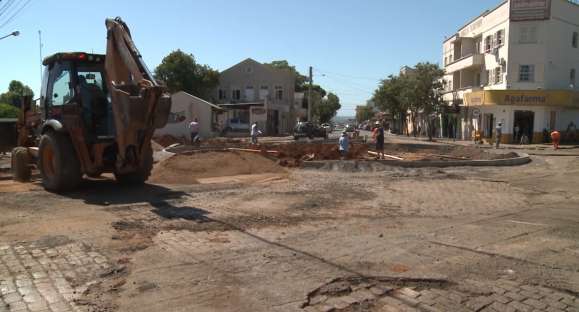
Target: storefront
{"x": 522, "y": 113}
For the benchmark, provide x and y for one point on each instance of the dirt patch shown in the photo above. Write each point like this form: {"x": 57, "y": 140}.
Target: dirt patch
{"x": 187, "y": 169}
{"x": 442, "y": 152}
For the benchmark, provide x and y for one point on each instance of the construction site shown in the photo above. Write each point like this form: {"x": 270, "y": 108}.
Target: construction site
{"x": 101, "y": 211}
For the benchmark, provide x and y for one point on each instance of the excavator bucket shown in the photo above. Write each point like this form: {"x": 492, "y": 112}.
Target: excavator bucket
{"x": 140, "y": 105}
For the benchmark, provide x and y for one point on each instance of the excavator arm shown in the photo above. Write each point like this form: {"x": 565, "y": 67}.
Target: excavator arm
{"x": 140, "y": 105}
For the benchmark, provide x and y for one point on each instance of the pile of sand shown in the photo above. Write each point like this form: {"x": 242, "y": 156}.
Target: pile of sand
{"x": 186, "y": 169}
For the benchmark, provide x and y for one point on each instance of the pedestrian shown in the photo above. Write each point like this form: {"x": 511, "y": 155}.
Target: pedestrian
{"x": 556, "y": 138}
{"x": 344, "y": 145}
{"x": 254, "y": 133}
{"x": 517, "y": 132}
{"x": 379, "y": 138}
{"x": 499, "y": 134}
{"x": 194, "y": 130}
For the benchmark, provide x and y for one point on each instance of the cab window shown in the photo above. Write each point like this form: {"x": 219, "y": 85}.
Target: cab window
{"x": 62, "y": 91}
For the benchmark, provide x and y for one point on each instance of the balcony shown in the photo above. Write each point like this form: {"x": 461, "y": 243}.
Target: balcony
{"x": 468, "y": 61}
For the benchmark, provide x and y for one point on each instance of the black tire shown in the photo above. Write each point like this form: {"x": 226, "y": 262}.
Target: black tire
{"x": 21, "y": 171}
{"x": 140, "y": 176}
{"x": 58, "y": 164}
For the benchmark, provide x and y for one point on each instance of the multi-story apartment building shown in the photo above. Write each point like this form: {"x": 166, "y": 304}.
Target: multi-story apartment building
{"x": 515, "y": 65}
{"x": 254, "y": 92}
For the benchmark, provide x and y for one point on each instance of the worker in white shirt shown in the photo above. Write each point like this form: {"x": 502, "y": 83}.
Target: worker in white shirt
{"x": 254, "y": 133}
{"x": 194, "y": 130}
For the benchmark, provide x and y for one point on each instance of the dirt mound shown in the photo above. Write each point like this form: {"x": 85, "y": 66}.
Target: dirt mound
{"x": 442, "y": 152}
{"x": 186, "y": 169}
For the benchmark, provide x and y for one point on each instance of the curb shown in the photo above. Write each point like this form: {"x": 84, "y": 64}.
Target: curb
{"x": 523, "y": 159}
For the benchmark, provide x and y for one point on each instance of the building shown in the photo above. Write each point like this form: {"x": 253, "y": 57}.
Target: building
{"x": 254, "y": 92}
{"x": 515, "y": 64}
{"x": 184, "y": 109}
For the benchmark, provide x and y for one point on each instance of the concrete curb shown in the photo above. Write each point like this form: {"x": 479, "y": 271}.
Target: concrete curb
{"x": 517, "y": 161}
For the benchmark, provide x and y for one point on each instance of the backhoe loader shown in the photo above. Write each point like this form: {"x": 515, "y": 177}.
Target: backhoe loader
{"x": 97, "y": 114}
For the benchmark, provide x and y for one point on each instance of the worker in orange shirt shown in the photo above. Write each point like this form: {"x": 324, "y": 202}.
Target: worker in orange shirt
{"x": 556, "y": 138}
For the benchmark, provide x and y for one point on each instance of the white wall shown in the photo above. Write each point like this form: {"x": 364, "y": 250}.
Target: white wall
{"x": 192, "y": 108}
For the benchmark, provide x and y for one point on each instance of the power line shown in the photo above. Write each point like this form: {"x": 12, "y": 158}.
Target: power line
{"x": 6, "y": 6}
{"x": 16, "y": 13}
{"x": 350, "y": 76}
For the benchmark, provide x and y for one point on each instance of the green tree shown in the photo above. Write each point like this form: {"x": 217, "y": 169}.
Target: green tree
{"x": 16, "y": 90}
{"x": 8, "y": 111}
{"x": 180, "y": 72}
{"x": 416, "y": 93}
{"x": 301, "y": 80}
{"x": 327, "y": 109}
{"x": 364, "y": 113}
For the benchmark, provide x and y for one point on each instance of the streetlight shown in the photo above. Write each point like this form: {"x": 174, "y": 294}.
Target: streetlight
{"x": 15, "y": 34}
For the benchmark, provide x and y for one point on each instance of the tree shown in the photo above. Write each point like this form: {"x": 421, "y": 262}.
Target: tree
{"x": 16, "y": 90}
{"x": 301, "y": 80}
{"x": 364, "y": 113}
{"x": 8, "y": 111}
{"x": 418, "y": 93}
{"x": 328, "y": 108}
{"x": 180, "y": 72}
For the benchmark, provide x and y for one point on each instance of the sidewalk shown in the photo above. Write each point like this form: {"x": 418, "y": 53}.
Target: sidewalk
{"x": 531, "y": 149}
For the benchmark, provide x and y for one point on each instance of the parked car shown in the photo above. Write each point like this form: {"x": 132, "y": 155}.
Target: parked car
{"x": 329, "y": 127}
{"x": 235, "y": 124}
{"x": 309, "y": 130}
{"x": 350, "y": 128}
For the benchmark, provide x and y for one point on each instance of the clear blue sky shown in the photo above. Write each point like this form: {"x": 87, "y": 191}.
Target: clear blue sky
{"x": 351, "y": 44}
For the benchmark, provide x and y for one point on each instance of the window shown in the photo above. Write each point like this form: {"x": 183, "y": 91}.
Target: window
{"x": 527, "y": 73}
{"x": 236, "y": 94}
{"x": 445, "y": 61}
{"x": 498, "y": 75}
{"x": 572, "y": 78}
{"x": 249, "y": 70}
{"x": 222, "y": 94}
{"x": 278, "y": 93}
{"x": 263, "y": 93}
{"x": 249, "y": 93}
{"x": 500, "y": 38}
{"x": 61, "y": 89}
{"x": 575, "y": 39}
{"x": 488, "y": 44}
{"x": 487, "y": 77}
{"x": 528, "y": 34}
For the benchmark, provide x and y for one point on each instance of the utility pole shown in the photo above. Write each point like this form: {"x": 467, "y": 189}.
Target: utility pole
{"x": 310, "y": 94}
{"x": 40, "y": 53}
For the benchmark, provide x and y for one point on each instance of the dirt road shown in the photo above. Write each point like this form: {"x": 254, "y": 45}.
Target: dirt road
{"x": 469, "y": 239}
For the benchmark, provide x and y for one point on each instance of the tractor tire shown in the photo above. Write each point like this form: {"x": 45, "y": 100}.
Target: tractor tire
{"x": 21, "y": 171}
{"x": 59, "y": 166}
{"x": 140, "y": 176}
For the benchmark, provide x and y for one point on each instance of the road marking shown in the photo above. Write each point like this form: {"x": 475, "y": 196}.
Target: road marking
{"x": 527, "y": 223}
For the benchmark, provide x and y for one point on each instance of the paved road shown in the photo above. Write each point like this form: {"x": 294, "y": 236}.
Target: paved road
{"x": 467, "y": 239}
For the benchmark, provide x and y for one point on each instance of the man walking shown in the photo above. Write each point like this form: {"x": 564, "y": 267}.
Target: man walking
{"x": 379, "y": 137}
{"x": 254, "y": 133}
{"x": 344, "y": 145}
{"x": 194, "y": 130}
{"x": 499, "y": 133}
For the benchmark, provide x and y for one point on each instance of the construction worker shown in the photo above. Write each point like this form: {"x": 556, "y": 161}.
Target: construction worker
{"x": 556, "y": 138}
{"x": 194, "y": 129}
{"x": 254, "y": 133}
{"x": 499, "y": 134}
{"x": 344, "y": 145}
{"x": 378, "y": 135}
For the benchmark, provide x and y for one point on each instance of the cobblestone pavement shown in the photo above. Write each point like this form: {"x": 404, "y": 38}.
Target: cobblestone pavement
{"x": 46, "y": 275}
{"x": 357, "y": 294}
